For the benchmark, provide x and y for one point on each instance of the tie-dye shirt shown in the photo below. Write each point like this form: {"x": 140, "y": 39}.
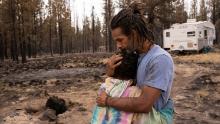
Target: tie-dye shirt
{"x": 109, "y": 115}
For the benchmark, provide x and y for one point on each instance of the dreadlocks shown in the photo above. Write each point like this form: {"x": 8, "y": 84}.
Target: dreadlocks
{"x": 130, "y": 20}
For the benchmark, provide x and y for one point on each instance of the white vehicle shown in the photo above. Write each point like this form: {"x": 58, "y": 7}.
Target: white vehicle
{"x": 190, "y": 36}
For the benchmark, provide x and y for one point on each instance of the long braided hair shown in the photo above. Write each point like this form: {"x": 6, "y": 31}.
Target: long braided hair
{"x": 133, "y": 24}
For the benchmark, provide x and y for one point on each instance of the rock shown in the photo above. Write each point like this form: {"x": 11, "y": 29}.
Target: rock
{"x": 207, "y": 81}
{"x": 81, "y": 64}
{"x": 40, "y": 93}
{"x": 57, "y": 104}
{"x": 29, "y": 90}
{"x": 81, "y": 109}
{"x": 214, "y": 114}
{"x": 13, "y": 103}
{"x": 74, "y": 104}
{"x": 36, "y": 82}
{"x": 202, "y": 93}
{"x": 104, "y": 61}
{"x": 17, "y": 118}
{"x": 26, "y": 83}
{"x": 13, "y": 114}
{"x": 34, "y": 106}
{"x": 179, "y": 97}
{"x": 51, "y": 82}
{"x": 65, "y": 118}
{"x": 70, "y": 65}
{"x": 22, "y": 98}
{"x": 49, "y": 114}
{"x": 215, "y": 79}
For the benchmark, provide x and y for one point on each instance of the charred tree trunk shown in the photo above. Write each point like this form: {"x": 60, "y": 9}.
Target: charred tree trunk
{"x": 56, "y": 38}
{"x": 93, "y": 31}
{"x": 60, "y": 35}
{"x": 23, "y": 46}
{"x": 83, "y": 39}
{"x": 29, "y": 47}
{"x": 14, "y": 51}
{"x": 50, "y": 38}
{"x": 41, "y": 35}
{"x": 5, "y": 46}
{"x": 19, "y": 31}
{"x": 214, "y": 13}
{"x": 35, "y": 50}
{"x": 111, "y": 45}
{"x": 109, "y": 30}
{"x": 217, "y": 28}
{"x": 1, "y": 48}
{"x": 106, "y": 38}
{"x": 34, "y": 53}
{"x": 23, "y": 52}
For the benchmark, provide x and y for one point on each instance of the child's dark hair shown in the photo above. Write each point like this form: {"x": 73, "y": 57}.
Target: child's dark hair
{"x": 128, "y": 68}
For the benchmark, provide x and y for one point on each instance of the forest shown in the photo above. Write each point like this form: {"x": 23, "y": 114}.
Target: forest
{"x": 31, "y": 28}
{"x": 50, "y": 58}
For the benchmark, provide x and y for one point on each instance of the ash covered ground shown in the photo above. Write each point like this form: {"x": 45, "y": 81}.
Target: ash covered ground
{"x": 25, "y": 88}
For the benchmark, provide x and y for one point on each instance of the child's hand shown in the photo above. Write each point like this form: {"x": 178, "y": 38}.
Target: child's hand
{"x": 101, "y": 99}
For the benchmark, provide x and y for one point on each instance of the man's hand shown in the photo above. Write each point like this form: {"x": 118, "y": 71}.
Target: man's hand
{"x": 112, "y": 63}
{"x": 101, "y": 99}
{"x": 141, "y": 104}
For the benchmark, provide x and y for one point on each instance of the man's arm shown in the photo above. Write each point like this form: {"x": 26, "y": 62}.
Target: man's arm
{"x": 141, "y": 104}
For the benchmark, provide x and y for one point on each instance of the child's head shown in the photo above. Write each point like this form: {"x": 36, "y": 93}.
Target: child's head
{"x": 128, "y": 68}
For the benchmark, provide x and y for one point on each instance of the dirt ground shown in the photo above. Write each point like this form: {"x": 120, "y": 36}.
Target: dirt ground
{"x": 25, "y": 88}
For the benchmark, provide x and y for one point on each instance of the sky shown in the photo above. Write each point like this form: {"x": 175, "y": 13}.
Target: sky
{"x": 82, "y": 8}
{"x": 79, "y": 6}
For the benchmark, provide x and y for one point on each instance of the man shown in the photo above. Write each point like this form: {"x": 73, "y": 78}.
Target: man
{"x": 155, "y": 66}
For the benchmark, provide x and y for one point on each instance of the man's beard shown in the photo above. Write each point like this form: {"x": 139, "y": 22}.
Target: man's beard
{"x": 126, "y": 51}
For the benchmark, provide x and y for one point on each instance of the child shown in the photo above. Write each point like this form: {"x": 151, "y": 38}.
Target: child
{"x": 122, "y": 84}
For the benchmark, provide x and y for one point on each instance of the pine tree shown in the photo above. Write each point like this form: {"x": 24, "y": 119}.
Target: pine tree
{"x": 1, "y": 48}
{"x": 193, "y": 11}
{"x": 214, "y": 8}
{"x": 98, "y": 37}
{"x": 50, "y": 26}
{"x": 124, "y": 3}
{"x": 159, "y": 15}
{"x": 12, "y": 12}
{"x": 202, "y": 12}
{"x": 93, "y": 30}
{"x": 1, "y": 31}
{"x": 108, "y": 14}
{"x": 180, "y": 13}
{"x": 5, "y": 22}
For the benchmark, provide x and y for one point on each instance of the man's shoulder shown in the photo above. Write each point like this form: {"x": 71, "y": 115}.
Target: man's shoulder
{"x": 158, "y": 53}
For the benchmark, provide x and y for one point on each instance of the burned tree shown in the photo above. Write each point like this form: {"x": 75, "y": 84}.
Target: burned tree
{"x": 108, "y": 14}
{"x": 1, "y": 48}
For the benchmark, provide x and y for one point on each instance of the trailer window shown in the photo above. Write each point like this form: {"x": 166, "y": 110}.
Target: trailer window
{"x": 191, "y": 34}
{"x": 200, "y": 34}
{"x": 205, "y": 34}
{"x": 167, "y": 34}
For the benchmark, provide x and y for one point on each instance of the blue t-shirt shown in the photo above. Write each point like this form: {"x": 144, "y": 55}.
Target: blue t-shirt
{"x": 156, "y": 69}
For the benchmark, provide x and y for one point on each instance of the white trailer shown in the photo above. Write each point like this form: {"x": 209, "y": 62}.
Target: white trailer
{"x": 190, "y": 36}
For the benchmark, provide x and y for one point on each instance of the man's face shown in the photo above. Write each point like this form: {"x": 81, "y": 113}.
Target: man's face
{"x": 126, "y": 42}
{"x": 120, "y": 38}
